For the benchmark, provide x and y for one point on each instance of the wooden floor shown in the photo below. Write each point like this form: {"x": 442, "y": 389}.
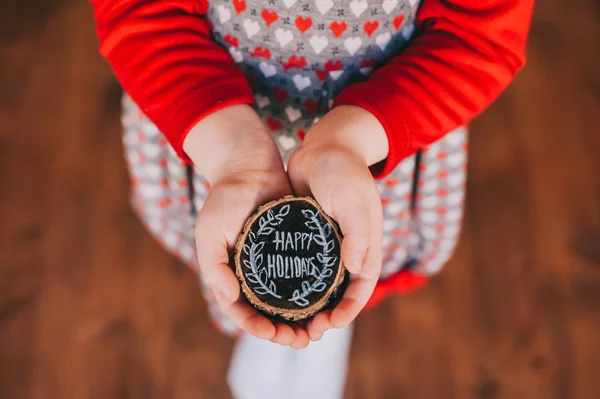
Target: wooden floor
{"x": 92, "y": 307}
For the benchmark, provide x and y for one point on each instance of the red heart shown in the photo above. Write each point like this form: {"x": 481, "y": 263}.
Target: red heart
{"x": 239, "y": 5}
{"x": 442, "y": 174}
{"x": 370, "y": 27}
{"x": 367, "y": 63}
{"x": 442, "y": 155}
{"x": 164, "y": 203}
{"x": 269, "y": 16}
{"x": 334, "y": 66}
{"x": 391, "y": 182}
{"x": 303, "y": 24}
{"x": 321, "y": 74}
{"x": 295, "y": 62}
{"x": 273, "y": 123}
{"x": 442, "y": 192}
{"x": 398, "y": 21}
{"x": 301, "y": 134}
{"x": 232, "y": 40}
{"x": 337, "y": 28}
{"x": 385, "y": 201}
{"x": 280, "y": 94}
{"x": 261, "y": 52}
{"x": 312, "y": 106}
{"x": 442, "y": 210}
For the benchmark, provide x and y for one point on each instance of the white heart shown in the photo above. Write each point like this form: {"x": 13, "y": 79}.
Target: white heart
{"x": 428, "y": 232}
{"x": 389, "y": 5}
{"x": 289, "y": 3}
{"x": 286, "y": 142}
{"x": 151, "y": 150}
{"x": 429, "y": 217}
{"x": 455, "y": 179}
{"x": 175, "y": 169}
{"x": 149, "y": 129}
{"x": 236, "y": 54}
{"x": 434, "y": 265}
{"x": 187, "y": 252}
{"x": 395, "y": 207}
{"x": 324, "y": 5}
{"x": 407, "y": 31}
{"x": 358, "y": 7}
{"x": 454, "y": 215}
{"x": 292, "y": 113}
{"x": 262, "y": 101}
{"x": 318, "y": 43}
{"x": 383, "y": 39}
{"x": 366, "y": 71}
{"x": 451, "y": 230}
{"x": 455, "y": 198}
{"x": 407, "y": 166}
{"x": 151, "y": 192}
{"x": 224, "y": 14}
{"x": 335, "y": 74}
{"x": 430, "y": 186}
{"x": 401, "y": 189}
{"x": 153, "y": 171}
{"x": 251, "y": 27}
{"x": 352, "y": 44}
{"x": 267, "y": 69}
{"x": 386, "y": 240}
{"x": 388, "y": 225}
{"x": 301, "y": 82}
{"x": 457, "y": 159}
{"x": 455, "y": 137}
{"x": 429, "y": 201}
{"x": 284, "y": 36}
{"x": 399, "y": 254}
{"x": 432, "y": 167}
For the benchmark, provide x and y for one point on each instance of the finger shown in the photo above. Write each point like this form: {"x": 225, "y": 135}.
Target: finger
{"x": 301, "y": 340}
{"x": 318, "y": 325}
{"x": 223, "y": 282}
{"x": 360, "y": 288}
{"x": 249, "y": 320}
{"x": 284, "y": 335}
{"x": 352, "y": 214}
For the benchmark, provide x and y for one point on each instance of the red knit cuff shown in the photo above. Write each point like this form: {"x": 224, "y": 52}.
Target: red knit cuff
{"x": 197, "y": 104}
{"x": 403, "y": 282}
{"x": 377, "y": 99}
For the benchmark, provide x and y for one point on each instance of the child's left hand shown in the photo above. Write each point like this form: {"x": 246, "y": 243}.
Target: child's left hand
{"x": 332, "y": 165}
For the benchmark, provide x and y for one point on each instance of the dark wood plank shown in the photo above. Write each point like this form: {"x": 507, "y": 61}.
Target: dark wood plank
{"x": 92, "y": 307}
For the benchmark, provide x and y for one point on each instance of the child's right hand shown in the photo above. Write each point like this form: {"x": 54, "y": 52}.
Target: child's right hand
{"x": 238, "y": 157}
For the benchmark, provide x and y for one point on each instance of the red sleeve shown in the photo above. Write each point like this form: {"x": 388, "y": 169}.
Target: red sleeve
{"x": 465, "y": 54}
{"x": 163, "y": 55}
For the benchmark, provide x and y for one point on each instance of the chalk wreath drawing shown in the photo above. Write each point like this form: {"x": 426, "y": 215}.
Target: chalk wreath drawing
{"x": 324, "y": 231}
{"x": 259, "y": 274}
{"x": 255, "y": 263}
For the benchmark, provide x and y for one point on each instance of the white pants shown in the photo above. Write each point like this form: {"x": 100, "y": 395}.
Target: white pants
{"x": 260, "y": 369}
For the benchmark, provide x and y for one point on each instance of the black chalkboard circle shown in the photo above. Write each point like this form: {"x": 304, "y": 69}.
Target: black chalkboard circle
{"x": 288, "y": 261}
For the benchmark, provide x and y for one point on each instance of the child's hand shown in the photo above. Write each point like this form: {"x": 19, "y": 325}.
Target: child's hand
{"x": 333, "y": 165}
{"x": 242, "y": 163}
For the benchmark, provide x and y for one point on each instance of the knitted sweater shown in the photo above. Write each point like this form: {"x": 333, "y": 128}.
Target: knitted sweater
{"x": 436, "y": 64}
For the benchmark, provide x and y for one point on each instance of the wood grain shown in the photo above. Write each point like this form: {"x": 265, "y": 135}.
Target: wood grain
{"x": 92, "y": 307}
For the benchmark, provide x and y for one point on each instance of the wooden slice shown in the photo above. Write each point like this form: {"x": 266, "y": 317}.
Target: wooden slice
{"x": 288, "y": 259}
